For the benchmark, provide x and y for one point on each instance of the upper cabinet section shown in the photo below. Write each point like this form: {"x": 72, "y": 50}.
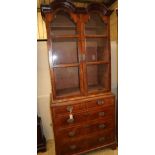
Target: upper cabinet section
{"x": 79, "y": 51}
{"x": 62, "y": 24}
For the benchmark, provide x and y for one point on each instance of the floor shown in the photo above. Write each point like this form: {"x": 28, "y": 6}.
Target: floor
{"x": 51, "y": 150}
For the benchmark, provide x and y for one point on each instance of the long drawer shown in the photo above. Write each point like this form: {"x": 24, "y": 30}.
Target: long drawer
{"x": 85, "y": 129}
{"x": 87, "y": 142}
{"x": 80, "y": 118}
{"x": 83, "y": 106}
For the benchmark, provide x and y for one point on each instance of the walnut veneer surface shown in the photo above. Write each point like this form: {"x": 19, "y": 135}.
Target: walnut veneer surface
{"x": 82, "y": 105}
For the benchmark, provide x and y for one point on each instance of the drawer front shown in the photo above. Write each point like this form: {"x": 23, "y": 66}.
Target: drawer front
{"x": 102, "y": 139}
{"x": 103, "y": 102}
{"x": 65, "y": 121}
{"x": 87, "y": 142}
{"x": 74, "y": 108}
{"x": 101, "y": 113}
{"x": 73, "y": 147}
{"x": 99, "y": 126}
{"x": 89, "y": 128}
{"x": 79, "y": 118}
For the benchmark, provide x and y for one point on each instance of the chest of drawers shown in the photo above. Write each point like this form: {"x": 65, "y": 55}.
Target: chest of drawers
{"x": 91, "y": 127}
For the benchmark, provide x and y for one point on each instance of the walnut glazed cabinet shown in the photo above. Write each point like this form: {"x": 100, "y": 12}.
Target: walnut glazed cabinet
{"x": 82, "y": 105}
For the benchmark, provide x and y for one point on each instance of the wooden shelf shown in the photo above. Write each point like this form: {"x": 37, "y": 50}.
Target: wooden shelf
{"x": 93, "y": 88}
{"x": 63, "y": 28}
{"x": 96, "y": 36}
{"x": 72, "y": 28}
{"x": 68, "y": 91}
{"x": 97, "y": 62}
{"x": 66, "y": 65}
{"x": 93, "y": 27}
{"x": 63, "y": 36}
{"x": 77, "y": 36}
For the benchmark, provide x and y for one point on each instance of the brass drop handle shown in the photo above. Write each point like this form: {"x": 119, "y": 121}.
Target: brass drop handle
{"x": 70, "y": 120}
{"x": 101, "y": 113}
{"x": 71, "y": 133}
{"x": 101, "y": 139}
{"x": 69, "y": 108}
{"x": 100, "y": 102}
{"x": 72, "y": 147}
{"x": 102, "y": 126}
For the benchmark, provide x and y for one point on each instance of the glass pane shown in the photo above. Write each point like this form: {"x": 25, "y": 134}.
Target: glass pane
{"x": 62, "y": 24}
{"x": 96, "y": 49}
{"x": 65, "y": 51}
{"x": 95, "y": 25}
{"x": 98, "y": 77}
{"x": 67, "y": 81}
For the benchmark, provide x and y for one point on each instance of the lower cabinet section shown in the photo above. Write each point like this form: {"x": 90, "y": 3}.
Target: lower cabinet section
{"x": 86, "y": 142}
{"x": 80, "y": 128}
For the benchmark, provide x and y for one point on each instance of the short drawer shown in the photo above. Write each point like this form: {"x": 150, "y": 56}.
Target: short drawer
{"x": 101, "y": 113}
{"x": 65, "y": 109}
{"x": 102, "y": 102}
{"x": 85, "y": 129}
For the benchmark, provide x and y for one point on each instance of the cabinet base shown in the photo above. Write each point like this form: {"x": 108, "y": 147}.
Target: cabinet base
{"x": 113, "y": 147}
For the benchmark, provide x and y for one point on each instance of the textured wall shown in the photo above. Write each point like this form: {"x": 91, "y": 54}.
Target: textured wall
{"x": 44, "y": 88}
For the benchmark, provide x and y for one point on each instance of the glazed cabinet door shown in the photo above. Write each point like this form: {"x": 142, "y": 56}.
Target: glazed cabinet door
{"x": 64, "y": 56}
{"x": 97, "y": 52}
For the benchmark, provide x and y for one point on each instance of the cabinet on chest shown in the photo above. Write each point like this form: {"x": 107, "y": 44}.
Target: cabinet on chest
{"x": 82, "y": 105}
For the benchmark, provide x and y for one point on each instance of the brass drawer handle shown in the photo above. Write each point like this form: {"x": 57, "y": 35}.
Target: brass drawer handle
{"x": 71, "y": 133}
{"x": 100, "y": 102}
{"x": 101, "y": 139}
{"x": 69, "y": 108}
{"x": 70, "y": 120}
{"x": 101, "y": 113}
{"x": 102, "y": 126}
{"x": 72, "y": 147}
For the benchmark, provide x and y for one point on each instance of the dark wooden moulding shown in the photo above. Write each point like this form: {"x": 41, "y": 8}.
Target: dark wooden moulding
{"x": 66, "y": 4}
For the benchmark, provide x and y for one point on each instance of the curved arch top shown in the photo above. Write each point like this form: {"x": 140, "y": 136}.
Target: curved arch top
{"x": 97, "y": 7}
{"x": 68, "y": 5}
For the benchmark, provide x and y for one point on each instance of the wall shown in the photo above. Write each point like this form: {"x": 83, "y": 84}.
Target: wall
{"x": 114, "y": 48}
{"x": 43, "y": 76}
{"x": 44, "y": 89}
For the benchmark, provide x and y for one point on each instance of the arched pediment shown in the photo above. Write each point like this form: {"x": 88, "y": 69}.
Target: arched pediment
{"x": 70, "y": 7}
